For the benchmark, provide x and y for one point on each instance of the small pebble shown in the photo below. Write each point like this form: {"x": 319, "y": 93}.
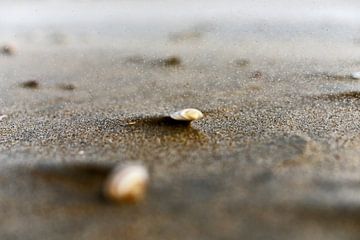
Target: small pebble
{"x": 172, "y": 61}
{"x": 355, "y": 75}
{"x": 188, "y": 114}
{"x": 8, "y": 50}
{"x": 256, "y": 75}
{"x": 127, "y": 184}
{"x": 30, "y": 84}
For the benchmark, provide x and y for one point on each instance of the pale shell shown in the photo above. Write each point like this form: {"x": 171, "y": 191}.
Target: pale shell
{"x": 188, "y": 114}
{"x": 127, "y": 184}
{"x": 2, "y": 117}
{"x": 355, "y": 75}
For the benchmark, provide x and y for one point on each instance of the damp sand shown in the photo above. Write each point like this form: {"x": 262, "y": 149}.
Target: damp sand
{"x": 275, "y": 156}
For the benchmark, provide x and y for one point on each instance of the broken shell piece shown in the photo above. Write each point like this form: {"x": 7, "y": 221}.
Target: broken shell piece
{"x": 127, "y": 184}
{"x": 355, "y": 75}
{"x": 2, "y": 117}
{"x": 188, "y": 114}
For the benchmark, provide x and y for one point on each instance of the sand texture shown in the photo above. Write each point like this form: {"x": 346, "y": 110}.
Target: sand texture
{"x": 276, "y": 155}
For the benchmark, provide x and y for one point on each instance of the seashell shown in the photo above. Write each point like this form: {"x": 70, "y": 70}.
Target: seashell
{"x": 2, "y": 117}
{"x": 355, "y": 75}
{"x": 188, "y": 114}
{"x": 127, "y": 184}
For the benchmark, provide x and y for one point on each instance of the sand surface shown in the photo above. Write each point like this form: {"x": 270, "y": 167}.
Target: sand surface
{"x": 275, "y": 157}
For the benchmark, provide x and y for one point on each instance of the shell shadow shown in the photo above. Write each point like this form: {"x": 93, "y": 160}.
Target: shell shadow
{"x": 162, "y": 122}
{"x": 166, "y": 128}
{"x": 76, "y": 174}
{"x": 76, "y": 181}
{"x": 140, "y": 134}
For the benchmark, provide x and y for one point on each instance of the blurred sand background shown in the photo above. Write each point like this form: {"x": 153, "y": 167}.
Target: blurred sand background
{"x": 276, "y": 156}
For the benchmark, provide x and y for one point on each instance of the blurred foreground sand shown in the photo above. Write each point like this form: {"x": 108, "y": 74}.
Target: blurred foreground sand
{"x": 275, "y": 157}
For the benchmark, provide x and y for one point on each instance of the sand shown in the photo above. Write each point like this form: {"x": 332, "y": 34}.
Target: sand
{"x": 275, "y": 157}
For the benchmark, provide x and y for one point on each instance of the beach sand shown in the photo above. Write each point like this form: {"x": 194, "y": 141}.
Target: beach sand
{"x": 276, "y": 155}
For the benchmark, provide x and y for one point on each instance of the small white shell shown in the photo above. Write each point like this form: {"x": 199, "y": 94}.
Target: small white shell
{"x": 188, "y": 114}
{"x": 355, "y": 75}
{"x": 2, "y": 117}
{"x": 127, "y": 184}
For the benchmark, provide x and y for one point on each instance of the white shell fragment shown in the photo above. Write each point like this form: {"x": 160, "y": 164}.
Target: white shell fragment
{"x": 127, "y": 184}
{"x": 188, "y": 114}
{"x": 355, "y": 75}
{"x": 2, "y": 117}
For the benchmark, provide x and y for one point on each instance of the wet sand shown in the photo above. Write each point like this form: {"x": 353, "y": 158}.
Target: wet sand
{"x": 275, "y": 157}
